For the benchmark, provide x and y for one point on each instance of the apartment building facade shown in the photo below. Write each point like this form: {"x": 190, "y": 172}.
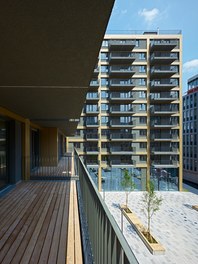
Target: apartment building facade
{"x": 131, "y": 117}
{"x": 190, "y": 128}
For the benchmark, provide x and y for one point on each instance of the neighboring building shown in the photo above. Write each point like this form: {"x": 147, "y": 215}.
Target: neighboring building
{"x": 190, "y": 129}
{"x": 132, "y": 114}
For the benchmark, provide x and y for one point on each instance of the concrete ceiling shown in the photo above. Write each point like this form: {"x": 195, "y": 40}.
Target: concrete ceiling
{"x": 48, "y": 51}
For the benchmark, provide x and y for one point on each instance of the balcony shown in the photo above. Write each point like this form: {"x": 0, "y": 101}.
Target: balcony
{"x": 163, "y": 97}
{"x": 121, "y": 57}
{"x": 94, "y": 84}
{"x": 164, "y": 137}
{"x": 163, "y": 45}
{"x": 126, "y": 45}
{"x": 122, "y": 150}
{"x": 164, "y": 110}
{"x": 92, "y": 124}
{"x": 91, "y": 150}
{"x": 165, "y": 163}
{"x": 122, "y": 83}
{"x": 116, "y": 109}
{"x": 163, "y": 84}
{"x": 163, "y": 58}
{"x": 117, "y": 123}
{"x": 92, "y": 97}
{"x": 163, "y": 71}
{"x": 121, "y": 71}
{"x": 92, "y": 111}
{"x": 164, "y": 124}
{"x": 121, "y": 137}
{"x": 119, "y": 163}
{"x": 164, "y": 150}
{"x": 120, "y": 97}
{"x": 91, "y": 137}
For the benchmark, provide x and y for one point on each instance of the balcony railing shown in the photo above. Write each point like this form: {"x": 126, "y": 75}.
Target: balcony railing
{"x": 91, "y": 136}
{"x": 164, "y": 96}
{"x": 121, "y": 45}
{"x": 164, "y": 71}
{"x": 103, "y": 231}
{"x": 163, "y": 57}
{"x": 121, "y": 136}
{"x": 163, "y": 45}
{"x": 121, "y": 70}
{"x": 122, "y": 83}
{"x": 124, "y": 57}
{"x": 164, "y": 83}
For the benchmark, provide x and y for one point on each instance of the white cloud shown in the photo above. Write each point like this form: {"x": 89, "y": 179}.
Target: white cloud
{"x": 149, "y": 15}
{"x": 190, "y": 65}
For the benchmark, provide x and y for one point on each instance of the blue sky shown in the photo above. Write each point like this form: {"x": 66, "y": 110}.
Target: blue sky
{"x": 165, "y": 15}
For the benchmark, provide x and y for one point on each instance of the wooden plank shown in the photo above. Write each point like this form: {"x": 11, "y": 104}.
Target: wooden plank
{"x": 12, "y": 201}
{"x": 42, "y": 235}
{"x": 77, "y": 236}
{"x": 48, "y": 239}
{"x": 70, "y": 238}
{"x": 16, "y": 241}
{"x": 57, "y": 231}
{"x": 61, "y": 258}
{"x": 14, "y": 221}
{"x": 35, "y": 234}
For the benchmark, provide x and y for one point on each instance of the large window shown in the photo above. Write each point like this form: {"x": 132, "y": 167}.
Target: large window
{"x": 3, "y": 154}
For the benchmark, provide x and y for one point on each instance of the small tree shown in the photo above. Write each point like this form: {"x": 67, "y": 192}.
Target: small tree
{"x": 128, "y": 184}
{"x": 151, "y": 204}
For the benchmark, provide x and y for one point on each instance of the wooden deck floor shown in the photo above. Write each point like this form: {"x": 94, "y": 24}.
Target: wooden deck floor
{"x": 39, "y": 223}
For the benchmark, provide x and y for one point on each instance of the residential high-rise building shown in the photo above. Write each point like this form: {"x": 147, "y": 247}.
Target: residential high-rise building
{"x": 190, "y": 128}
{"x": 132, "y": 114}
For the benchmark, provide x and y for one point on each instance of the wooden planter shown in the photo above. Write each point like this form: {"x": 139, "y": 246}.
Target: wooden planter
{"x": 155, "y": 248}
{"x": 195, "y": 207}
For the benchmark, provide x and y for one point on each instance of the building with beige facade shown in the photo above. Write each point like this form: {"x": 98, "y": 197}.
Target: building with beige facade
{"x": 132, "y": 113}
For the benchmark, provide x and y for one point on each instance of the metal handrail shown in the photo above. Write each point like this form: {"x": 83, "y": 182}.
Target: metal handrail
{"x": 107, "y": 242}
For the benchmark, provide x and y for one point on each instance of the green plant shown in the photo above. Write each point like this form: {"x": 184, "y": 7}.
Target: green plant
{"x": 151, "y": 204}
{"x": 128, "y": 184}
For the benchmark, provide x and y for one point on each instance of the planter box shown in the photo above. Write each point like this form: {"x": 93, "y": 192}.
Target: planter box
{"x": 155, "y": 248}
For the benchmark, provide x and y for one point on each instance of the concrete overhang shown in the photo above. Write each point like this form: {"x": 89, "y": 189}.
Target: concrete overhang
{"x": 48, "y": 51}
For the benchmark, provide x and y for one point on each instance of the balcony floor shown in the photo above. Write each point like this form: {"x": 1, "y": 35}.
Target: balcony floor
{"x": 38, "y": 218}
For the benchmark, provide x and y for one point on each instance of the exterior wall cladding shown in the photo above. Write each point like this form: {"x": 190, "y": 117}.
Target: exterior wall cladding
{"x": 132, "y": 114}
{"x": 190, "y": 128}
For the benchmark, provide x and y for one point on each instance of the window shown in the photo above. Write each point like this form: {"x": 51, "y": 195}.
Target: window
{"x": 104, "y": 56}
{"x": 105, "y": 43}
{"x": 142, "y": 94}
{"x": 104, "y": 82}
{"x": 142, "y": 107}
{"x": 142, "y": 68}
{"x": 104, "y": 68}
{"x": 104, "y": 120}
{"x": 143, "y": 120}
{"x": 137, "y": 43}
{"x": 104, "y": 94}
{"x": 142, "y": 56}
{"x": 143, "y": 132}
{"x": 143, "y": 158}
{"x": 104, "y": 107}
{"x": 141, "y": 82}
{"x": 143, "y": 145}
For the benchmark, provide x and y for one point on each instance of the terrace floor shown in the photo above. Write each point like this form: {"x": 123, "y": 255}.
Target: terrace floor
{"x": 39, "y": 223}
